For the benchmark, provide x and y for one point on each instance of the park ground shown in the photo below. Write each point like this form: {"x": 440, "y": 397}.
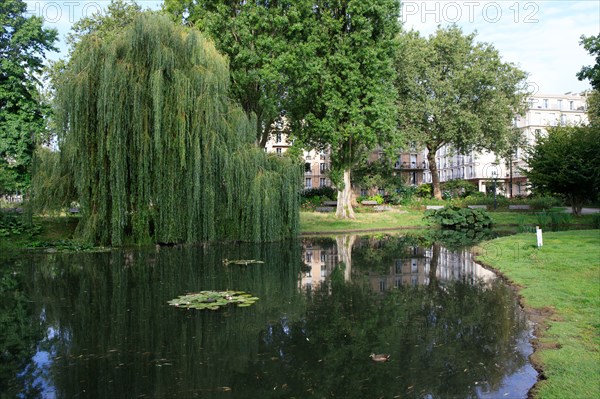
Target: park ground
{"x": 559, "y": 287}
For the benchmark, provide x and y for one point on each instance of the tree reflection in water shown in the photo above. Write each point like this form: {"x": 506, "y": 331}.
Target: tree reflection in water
{"x": 322, "y": 311}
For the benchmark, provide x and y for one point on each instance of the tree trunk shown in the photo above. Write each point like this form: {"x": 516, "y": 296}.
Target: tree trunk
{"x": 576, "y": 205}
{"x": 344, "y": 200}
{"x": 435, "y": 179}
{"x": 433, "y": 265}
{"x": 344, "y": 247}
{"x": 510, "y": 181}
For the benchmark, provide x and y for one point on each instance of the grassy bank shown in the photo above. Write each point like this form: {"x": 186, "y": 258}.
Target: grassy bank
{"x": 560, "y": 285}
{"x": 315, "y": 222}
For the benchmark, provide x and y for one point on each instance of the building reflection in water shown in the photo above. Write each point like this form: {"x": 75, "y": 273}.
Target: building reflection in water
{"x": 411, "y": 265}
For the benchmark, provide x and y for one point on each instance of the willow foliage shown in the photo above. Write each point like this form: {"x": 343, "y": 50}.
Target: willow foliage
{"x": 158, "y": 152}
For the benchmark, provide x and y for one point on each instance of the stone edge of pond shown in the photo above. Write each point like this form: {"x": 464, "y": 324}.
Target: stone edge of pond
{"x": 538, "y": 316}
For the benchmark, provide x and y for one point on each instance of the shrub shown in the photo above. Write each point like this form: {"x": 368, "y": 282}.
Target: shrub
{"x": 424, "y": 190}
{"x": 377, "y": 198}
{"x": 328, "y": 192}
{"x": 453, "y": 217}
{"x": 544, "y": 203}
{"x": 14, "y": 225}
{"x": 458, "y": 188}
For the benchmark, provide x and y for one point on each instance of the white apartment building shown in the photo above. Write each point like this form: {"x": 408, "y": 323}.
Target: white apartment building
{"x": 482, "y": 168}
{"x": 316, "y": 163}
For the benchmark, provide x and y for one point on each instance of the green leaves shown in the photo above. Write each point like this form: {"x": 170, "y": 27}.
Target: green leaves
{"x": 158, "y": 152}
{"x": 23, "y": 42}
{"x": 591, "y": 73}
{"x": 454, "y": 91}
{"x": 567, "y": 162}
{"x": 452, "y": 217}
{"x": 213, "y": 300}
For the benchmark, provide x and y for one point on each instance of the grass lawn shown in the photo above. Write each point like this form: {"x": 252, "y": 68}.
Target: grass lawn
{"x": 561, "y": 283}
{"x": 316, "y": 222}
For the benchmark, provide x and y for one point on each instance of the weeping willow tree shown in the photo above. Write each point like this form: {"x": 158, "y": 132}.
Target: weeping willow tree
{"x": 158, "y": 152}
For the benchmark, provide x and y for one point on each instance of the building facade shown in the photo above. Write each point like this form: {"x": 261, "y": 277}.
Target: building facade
{"x": 483, "y": 169}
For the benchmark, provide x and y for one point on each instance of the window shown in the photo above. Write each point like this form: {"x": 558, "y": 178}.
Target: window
{"x": 545, "y": 102}
{"x": 560, "y": 104}
{"x": 322, "y": 182}
{"x": 308, "y": 182}
{"x": 309, "y": 256}
{"x": 323, "y": 271}
{"x": 278, "y": 138}
{"x": 278, "y": 151}
{"x": 323, "y": 256}
{"x": 381, "y": 285}
{"x": 563, "y": 120}
{"x": 323, "y": 167}
{"x": 571, "y": 105}
{"x": 398, "y": 266}
{"x": 306, "y": 167}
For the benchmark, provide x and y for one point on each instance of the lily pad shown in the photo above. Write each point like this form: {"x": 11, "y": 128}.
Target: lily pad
{"x": 213, "y": 300}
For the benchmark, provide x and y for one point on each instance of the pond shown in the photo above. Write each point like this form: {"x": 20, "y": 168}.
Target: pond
{"x": 98, "y": 324}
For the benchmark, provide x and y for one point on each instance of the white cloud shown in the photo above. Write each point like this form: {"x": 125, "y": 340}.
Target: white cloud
{"x": 542, "y": 37}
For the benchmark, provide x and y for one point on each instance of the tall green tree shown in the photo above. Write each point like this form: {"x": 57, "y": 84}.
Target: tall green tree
{"x": 567, "y": 162}
{"x": 591, "y": 72}
{"x": 157, "y": 151}
{"x": 255, "y": 36}
{"x": 23, "y": 44}
{"x": 343, "y": 96}
{"x": 118, "y": 15}
{"x": 455, "y": 91}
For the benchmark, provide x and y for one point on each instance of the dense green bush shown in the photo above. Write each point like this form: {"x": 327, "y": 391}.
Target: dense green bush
{"x": 543, "y": 203}
{"x": 314, "y": 197}
{"x": 424, "y": 190}
{"x": 14, "y": 224}
{"x": 323, "y": 192}
{"x": 377, "y": 198}
{"x": 453, "y": 217}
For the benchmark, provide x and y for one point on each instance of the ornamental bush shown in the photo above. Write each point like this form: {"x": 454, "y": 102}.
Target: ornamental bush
{"x": 453, "y": 217}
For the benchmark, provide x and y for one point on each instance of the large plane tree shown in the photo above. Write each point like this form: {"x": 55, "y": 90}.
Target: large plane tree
{"x": 458, "y": 92}
{"x": 342, "y": 94}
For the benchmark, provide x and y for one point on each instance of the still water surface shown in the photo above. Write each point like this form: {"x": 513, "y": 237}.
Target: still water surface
{"x": 97, "y": 325}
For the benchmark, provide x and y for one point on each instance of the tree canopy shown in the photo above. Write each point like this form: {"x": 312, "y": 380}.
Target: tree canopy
{"x": 343, "y": 95}
{"x": 23, "y": 44}
{"x": 157, "y": 151}
{"x": 256, "y": 38}
{"x": 119, "y": 14}
{"x": 592, "y": 73}
{"x": 455, "y": 91}
{"x": 567, "y": 162}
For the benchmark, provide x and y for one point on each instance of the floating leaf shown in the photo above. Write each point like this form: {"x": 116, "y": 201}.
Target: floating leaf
{"x": 213, "y": 300}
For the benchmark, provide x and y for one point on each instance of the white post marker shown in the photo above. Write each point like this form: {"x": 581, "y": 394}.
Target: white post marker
{"x": 538, "y": 232}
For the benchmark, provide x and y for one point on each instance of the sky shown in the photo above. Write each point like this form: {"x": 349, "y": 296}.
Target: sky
{"x": 540, "y": 37}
